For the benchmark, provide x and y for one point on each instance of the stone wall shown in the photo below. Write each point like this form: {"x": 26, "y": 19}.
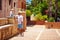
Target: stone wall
{"x": 15, "y": 4}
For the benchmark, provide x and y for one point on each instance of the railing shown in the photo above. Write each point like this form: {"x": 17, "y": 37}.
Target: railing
{"x": 7, "y": 28}
{"x": 3, "y": 21}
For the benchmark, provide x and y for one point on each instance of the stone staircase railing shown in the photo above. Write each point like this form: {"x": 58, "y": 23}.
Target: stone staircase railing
{"x": 8, "y": 28}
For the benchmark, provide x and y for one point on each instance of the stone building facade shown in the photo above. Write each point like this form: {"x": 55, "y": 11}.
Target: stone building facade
{"x": 7, "y": 5}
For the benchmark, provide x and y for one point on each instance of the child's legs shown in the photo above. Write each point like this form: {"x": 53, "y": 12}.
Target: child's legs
{"x": 20, "y": 28}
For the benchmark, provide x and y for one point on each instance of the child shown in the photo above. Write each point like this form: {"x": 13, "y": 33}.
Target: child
{"x": 20, "y": 23}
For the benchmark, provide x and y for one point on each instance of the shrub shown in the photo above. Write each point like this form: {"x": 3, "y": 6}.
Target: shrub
{"x": 51, "y": 19}
{"x": 38, "y": 16}
{"x": 45, "y": 17}
{"x": 28, "y": 13}
{"x": 41, "y": 17}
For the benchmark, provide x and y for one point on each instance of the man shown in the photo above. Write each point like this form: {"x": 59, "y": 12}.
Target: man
{"x": 20, "y": 23}
{"x": 11, "y": 13}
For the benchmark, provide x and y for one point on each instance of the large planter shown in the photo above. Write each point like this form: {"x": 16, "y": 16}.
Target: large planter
{"x": 54, "y": 25}
{"x": 41, "y": 22}
{"x": 35, "y": 22}
{"x": 31, "y": 22}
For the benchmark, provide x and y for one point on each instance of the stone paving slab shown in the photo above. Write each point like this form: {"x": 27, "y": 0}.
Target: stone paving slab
{"x": 58, "y": 30}
{"x": 30, "y": 34}
{"x": 49, "y": 34}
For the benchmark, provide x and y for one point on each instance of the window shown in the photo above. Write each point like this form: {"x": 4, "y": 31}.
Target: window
{"x": 10, "y": 2}
{"x": 14, "y": 4}
{"x": 0, "y": 4}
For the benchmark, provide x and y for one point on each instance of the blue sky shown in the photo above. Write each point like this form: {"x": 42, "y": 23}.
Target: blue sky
{"x": 28, "y": 1}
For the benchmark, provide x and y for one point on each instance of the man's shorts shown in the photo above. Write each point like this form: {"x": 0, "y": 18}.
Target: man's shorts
{"x": 20, "y": 26}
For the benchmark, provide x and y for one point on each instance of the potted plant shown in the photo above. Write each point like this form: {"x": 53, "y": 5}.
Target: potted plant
{"x": 40, "y": 19}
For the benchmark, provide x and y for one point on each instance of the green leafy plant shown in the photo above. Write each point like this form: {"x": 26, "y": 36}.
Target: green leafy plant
{"x": 45, "y": 17}
{"x": 38, "y": 16}
{"x": 51, "y": 19}
{"x": 28, "y": 13}
{"x": 41, "y": 17}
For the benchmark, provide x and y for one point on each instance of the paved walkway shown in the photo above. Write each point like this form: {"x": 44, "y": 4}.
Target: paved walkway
{"x": 39, "y": 32}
